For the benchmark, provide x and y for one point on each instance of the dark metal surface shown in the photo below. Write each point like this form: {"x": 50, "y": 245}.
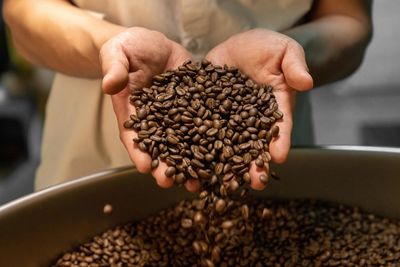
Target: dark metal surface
{"x": 37, "y": 228}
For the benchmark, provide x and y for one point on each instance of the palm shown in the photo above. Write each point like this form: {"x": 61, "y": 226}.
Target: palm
{"x": 274, "y": 59}
{"x": 129, "y": 61}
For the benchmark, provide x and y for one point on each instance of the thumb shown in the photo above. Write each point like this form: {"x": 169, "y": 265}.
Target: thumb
{"x": 115, "y": 67}
{"x": 295, "y": 68}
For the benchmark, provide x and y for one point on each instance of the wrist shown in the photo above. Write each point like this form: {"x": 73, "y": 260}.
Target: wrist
{"x": 99, "y": 38}
{"x": 99, "y": 35}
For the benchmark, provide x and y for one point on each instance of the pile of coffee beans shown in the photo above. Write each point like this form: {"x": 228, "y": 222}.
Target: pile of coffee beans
{"x": 206, "y": 122}
{"x": 258, "y": 233}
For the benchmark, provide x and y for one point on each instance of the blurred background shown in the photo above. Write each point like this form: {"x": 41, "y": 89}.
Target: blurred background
{"x": 361, "y": 110}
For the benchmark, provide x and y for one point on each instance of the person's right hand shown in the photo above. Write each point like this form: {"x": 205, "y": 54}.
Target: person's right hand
{"x": 275, "y": 59}
{"x": 129, "y": 61}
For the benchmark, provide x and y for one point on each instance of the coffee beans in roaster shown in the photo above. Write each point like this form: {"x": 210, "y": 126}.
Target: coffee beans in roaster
{"x": 258, "y": 233}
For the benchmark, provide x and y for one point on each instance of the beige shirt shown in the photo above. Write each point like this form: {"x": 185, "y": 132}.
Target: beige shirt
{"x": 81, "y": 134}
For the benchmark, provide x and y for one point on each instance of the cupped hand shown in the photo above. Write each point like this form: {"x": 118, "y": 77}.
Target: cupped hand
{"x": 129, "y": 61}
{"x": 270, "y": 58}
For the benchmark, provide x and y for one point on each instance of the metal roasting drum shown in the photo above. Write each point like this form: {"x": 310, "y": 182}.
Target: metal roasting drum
{"x": 36, "y": 229}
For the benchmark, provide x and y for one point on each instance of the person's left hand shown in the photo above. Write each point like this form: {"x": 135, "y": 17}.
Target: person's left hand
{"x": 129, "y": 60}
{"x": 270, "y": 58}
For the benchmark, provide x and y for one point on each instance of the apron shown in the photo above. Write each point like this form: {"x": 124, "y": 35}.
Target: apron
{"x": 81, "y": 135}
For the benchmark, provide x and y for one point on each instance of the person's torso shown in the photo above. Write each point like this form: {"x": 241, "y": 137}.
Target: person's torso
{"x": 199, "y": 25}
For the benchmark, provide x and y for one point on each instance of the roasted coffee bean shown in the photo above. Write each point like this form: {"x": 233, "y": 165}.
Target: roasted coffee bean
{"x": 186, "y": 223}
{"x": 223, "y": 191}
{"x": 180, "y": 178}
{"x": 128, "y": 124}
{"x": 227, "y": 168}
{"x": 196, "y": 138}
{"x": 227, "y": 151}
{"x": 237, "y": 159}
{"x": 274, "y": 176}
{"x": 263, "y": 178}
{"x": 253, "y": 152}
{"x": 253, "y": 112}
{"x": 196, "y": 163}
{"x": 208, "y": 263}
{"x": 209, "y": 157}
{"x": 170, "y": 161}
{"x": 266, "y": 156}
{"x": 170, "y": 171}
{"x": 198, "y": 155}
{"x": 217, "y": 123}
{"x": 212, "y": 132}
{"x": 192, "y": 172}
{"x": 247, "y": 158}
{"x": 227, "y": 104}
{"x": 172, "y": 139}
{"x": 218, "y": 145}
{"x": 251, "y": 121}
{"x": 216, "y": 254}
{"x": 203, "y": 174}
{"x": 246, "y": 177}
{"x": 266, "y": 213}
{"x": 258, "y": 145}
{"x": 237, "y": 168}
{"x": 203, "y": 194}
{"x": 220, "y": 206}
{"x": 227, "y": 224}
{"x": 233, "y": 185}
{"x": 198, "y": 121}
{"x": 219, "y": 167}
{"x": 142, "y": 113}
{"x": 275, "y": 131}
{"x": 154, "y": 164}
{"x": 259, "y": 162}
{"x": 244, "y": 146}
{"x": 278, "y": 114}
{"x": 200, "y": 79}
{"x": 245, "y": 211}
{"x": 199, "y": 218}
{"x": 196, "y": 247}
{"x": 142, "y": 147}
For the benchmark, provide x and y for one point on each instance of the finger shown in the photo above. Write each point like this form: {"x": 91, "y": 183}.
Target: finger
{"x": 115, "y": 67}
{"x": 159, "y": 174}
{"x": 295, "y": 68}
{"x": 141, "y": 160}
{"x": 123, "y": 110}
{"x": 218, "y": 56}
{"x": 279, "y": 146}
{"x": 192, "y": 185}
{"x": 178, "y": 56}
{"x": 255, "y": 173}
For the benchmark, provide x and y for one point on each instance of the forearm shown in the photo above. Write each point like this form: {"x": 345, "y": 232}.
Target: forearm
{"x": 57, "y": 35}
{"x": 334, "y": 46}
